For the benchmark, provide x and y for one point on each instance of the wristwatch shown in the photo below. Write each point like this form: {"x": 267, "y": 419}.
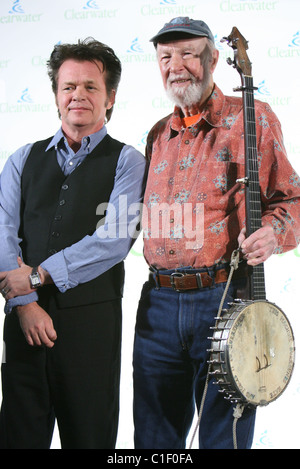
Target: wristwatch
{"x": 35, "y": 279}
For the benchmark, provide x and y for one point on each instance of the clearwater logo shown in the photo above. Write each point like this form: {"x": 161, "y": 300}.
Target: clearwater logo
{"x": 135, "y": 53}
{"x": 262, "y": 89}
{"x": 17, "y": 7}
{"x": 90, "y": 10}
{"x": 135, "y": 46}
{"x": 24, "y": 104}
{"x": 295, "y": 42}
{"x": 291, "y": 51}
{"x": 264, "y": 440}
{"x": 229, "y": 6}
{"x": 167, "y": 7}
{"x": 91, "y": 4}
{"x": 17, "y": 14}
{"x": 25, "y": 97}
{"x": 263, "y": 93}
{"x": 143, "y": 141}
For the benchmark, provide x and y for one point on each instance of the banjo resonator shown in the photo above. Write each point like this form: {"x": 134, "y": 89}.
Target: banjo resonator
{"x": 252, "y": 352}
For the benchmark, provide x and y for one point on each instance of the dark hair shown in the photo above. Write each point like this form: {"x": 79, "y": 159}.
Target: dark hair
{"x": 91, "y": 50}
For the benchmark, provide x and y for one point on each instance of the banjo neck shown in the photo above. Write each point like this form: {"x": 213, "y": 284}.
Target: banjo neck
{"x": 251, "y": 181}
{"x": 252, "y": 187}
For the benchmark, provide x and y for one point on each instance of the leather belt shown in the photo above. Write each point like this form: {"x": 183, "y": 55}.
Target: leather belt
{"x": 180, "y": 281}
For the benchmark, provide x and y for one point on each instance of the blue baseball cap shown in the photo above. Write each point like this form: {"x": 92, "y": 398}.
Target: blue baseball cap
{"x": 183, "y": 24}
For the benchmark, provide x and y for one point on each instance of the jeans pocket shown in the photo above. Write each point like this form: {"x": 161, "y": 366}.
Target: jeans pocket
{"x": 147, "y": 287}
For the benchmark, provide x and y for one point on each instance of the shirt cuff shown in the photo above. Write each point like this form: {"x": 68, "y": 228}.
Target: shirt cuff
{"x": 20, "y": 301}
{"x": 56, "y": 266}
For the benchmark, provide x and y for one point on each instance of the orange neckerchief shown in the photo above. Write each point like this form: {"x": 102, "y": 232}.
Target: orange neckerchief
{"x": 190, "y": 120}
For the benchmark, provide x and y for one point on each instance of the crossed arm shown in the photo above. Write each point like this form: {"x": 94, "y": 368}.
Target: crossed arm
{"x": 37, "y": 325}
{"x": 257, "y": 248}
{"x": 79, "y": 263}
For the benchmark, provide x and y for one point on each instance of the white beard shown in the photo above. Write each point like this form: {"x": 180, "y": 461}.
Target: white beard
{"x": 187, "y": 97}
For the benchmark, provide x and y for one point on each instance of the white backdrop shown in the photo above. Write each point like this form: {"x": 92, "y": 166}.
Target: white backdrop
{"x": 30, "y": 28}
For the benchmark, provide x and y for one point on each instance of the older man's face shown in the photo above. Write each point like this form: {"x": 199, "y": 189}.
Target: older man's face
{"x": 185, "y": 78}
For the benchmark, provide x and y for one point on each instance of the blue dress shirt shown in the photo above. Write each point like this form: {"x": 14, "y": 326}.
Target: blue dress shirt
{"x": 92, "y": 255}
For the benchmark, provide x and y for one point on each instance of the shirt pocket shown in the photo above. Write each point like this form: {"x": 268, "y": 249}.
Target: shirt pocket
{"x": 218, "y": 184}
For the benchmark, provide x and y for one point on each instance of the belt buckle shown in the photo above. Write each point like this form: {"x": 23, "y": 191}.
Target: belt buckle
{"x": 177, "y": 275}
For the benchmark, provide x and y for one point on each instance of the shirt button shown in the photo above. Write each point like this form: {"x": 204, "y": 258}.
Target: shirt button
{"x": 172, "y": 220}
{"x": 71, "y": 163}
{"x": 171, "y": 251}
{"x": 187, "y": 142}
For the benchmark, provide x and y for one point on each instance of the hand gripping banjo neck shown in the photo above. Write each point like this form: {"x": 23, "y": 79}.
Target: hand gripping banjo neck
{"x": 252, "y": 351}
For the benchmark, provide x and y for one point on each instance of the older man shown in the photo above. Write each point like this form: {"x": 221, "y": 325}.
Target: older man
{"x": 196, "y": 155}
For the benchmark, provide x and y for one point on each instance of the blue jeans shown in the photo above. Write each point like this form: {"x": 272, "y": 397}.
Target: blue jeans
{"x": 170, "y": 369}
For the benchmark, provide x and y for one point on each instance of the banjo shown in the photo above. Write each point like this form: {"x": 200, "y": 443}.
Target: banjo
{"x": 252, "y": 349}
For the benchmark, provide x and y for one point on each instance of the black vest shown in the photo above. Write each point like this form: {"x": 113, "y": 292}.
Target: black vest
{"x": 57, "y": 211}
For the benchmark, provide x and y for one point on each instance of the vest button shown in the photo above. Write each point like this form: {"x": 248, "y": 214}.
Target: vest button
{"x": 65, "y": 187}
{"x": 62, "y": 202}
{"x": 57, "y": 218}
{"x": 55, "y": 234}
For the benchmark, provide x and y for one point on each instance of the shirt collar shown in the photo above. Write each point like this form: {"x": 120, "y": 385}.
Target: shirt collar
{"x": 89, "y": 142}
{"x": 212, "y": 113}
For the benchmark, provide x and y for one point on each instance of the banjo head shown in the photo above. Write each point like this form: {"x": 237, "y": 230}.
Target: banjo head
{"x": 253, "y": 353}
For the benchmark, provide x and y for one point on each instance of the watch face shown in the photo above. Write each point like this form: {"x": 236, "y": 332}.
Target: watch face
{"x": 35, "y": 280}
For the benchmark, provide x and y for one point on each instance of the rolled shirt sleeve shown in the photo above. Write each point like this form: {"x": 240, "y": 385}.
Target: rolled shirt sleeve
{"x": 10, "y": 199}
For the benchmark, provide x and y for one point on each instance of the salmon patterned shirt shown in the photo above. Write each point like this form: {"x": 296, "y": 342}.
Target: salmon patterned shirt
{"x": 194, "y": 208}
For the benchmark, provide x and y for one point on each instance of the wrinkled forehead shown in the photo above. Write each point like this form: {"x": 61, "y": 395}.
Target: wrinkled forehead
{"x": 195, "y": 44}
